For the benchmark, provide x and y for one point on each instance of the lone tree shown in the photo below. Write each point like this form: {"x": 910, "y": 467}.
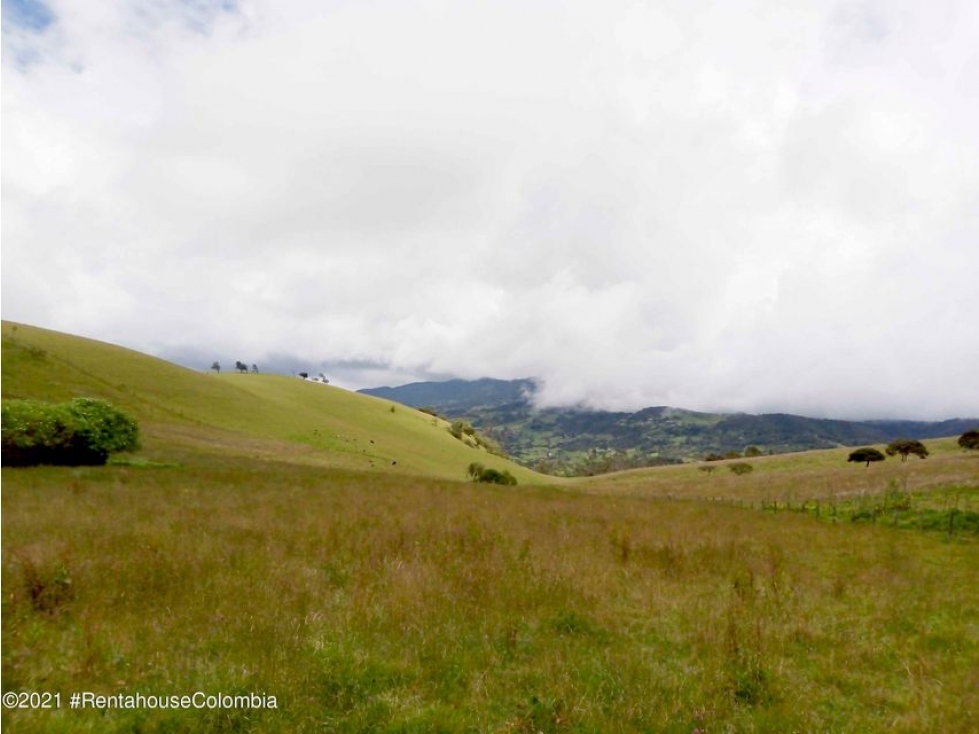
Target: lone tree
{"x": 905, "y": 446}
{"x": 866, "y": 455}
{"x": 241, "y": 366}
{"x": 216, "y": 366}
{"x": 970, "y": 439}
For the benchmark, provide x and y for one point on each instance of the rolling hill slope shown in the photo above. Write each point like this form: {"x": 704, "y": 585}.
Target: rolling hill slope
{"x": 269, "y": 416}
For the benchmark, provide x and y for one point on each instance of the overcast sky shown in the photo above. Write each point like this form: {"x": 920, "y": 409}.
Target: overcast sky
{"x": 745, "y": 206}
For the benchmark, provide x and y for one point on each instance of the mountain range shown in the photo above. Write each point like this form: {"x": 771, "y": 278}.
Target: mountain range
{"x": 583, "y": 441}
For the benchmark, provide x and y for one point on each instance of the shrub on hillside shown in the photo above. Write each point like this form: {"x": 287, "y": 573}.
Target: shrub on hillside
{"x": 478, "y": 473}
{"x": 489, "y": 445}
{"x": 82, "y": 432}
{"x": 461, "y": 428}
{"x": 969, "y": 439}
{"x": 464, "y": 431}
{"x": 493, "y": 476}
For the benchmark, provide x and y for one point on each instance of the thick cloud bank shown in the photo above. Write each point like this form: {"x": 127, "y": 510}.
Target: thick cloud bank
{"x": 746, "y": 206}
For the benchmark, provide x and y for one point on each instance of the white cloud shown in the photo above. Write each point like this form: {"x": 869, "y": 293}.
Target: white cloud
{"x": 751, "y": 207}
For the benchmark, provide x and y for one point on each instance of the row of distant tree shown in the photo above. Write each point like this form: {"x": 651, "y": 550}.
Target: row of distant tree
{"x": 239, "y": 366}
{"x": 905, "y": 447}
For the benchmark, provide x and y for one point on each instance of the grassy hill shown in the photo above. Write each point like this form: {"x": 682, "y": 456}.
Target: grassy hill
{"x": 801, "y": 474}
{"x": 270, "y": 416}
{"x": 266, "y": 548}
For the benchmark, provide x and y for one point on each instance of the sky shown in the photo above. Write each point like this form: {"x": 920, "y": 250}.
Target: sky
{"x": 757, "y": 206}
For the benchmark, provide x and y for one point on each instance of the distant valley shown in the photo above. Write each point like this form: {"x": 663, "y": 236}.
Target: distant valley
{"x": 579, "y": 441}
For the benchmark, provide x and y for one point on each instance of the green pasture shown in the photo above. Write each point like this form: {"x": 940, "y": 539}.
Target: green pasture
{"x": 367, "y": 601}
{"x": 251, "y": 548}
{"x": 809, "y": 475}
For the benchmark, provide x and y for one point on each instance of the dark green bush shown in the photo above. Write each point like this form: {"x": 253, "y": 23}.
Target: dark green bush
{"x": 493, "y": 476}
{"x": 478, "y": 473}
{"x": 82, "y": 432}
{"x": 969, "y": 439}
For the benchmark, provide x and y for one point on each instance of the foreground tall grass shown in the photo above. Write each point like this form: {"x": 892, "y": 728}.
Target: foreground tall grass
{"x": 369, "y": 602}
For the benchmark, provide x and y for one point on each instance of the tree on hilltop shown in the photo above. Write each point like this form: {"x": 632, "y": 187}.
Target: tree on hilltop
{"x": 905, "y": 446}
{"x": 216, "y": 366}
{"x": 866, "y": 454}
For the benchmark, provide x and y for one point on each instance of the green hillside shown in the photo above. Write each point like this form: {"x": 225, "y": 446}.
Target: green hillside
{"x": 267, "y": 416}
